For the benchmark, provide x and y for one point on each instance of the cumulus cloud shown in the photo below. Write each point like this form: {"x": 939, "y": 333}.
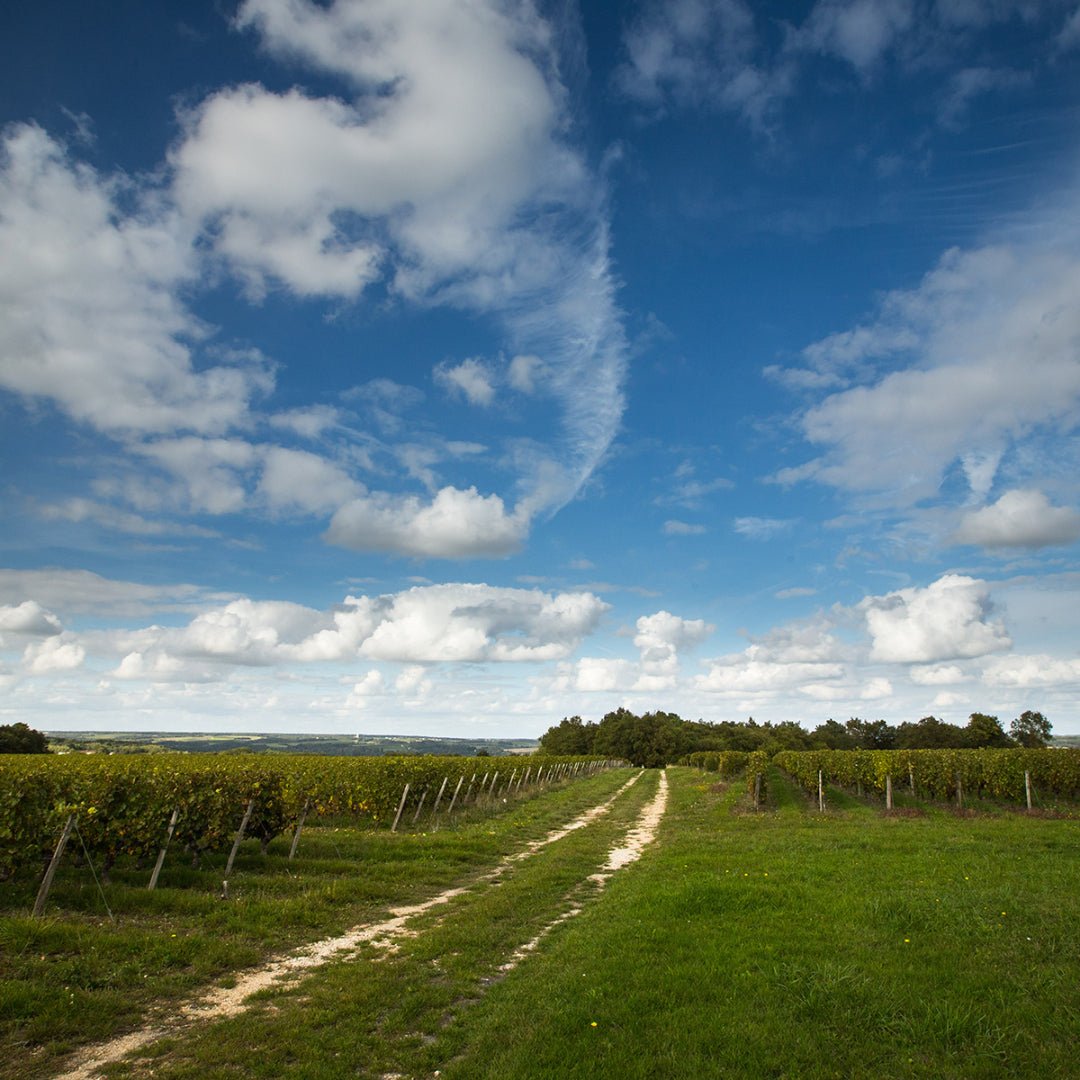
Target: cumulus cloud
{"x": 743, "y": 673}
{"x": 937, "y": 675}
{"x": 454, "y": 524}
{"x": 659, "y": 638}
{"x": 950, "y": 619}
{"x": 1032, "y": 670}
{"x": 1019, "y": 519}
{"x": 305, "y": 482}
{"x": 58, "y": 653}
{"x": 471, "y": 379}
{"x": 29, "y": 617}
{"x": 462, "y": 623}
{"x": 595, "y": 674}
{"x": 90, "y": 317}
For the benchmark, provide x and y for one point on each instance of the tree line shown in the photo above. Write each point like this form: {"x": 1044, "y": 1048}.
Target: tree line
{"x": 655, "y": 739}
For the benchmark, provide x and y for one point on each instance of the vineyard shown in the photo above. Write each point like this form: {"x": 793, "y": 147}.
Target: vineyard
{"x": 131, "y": 806}
{"x": 1002, "y": 775}
{"x": 779, "y": 943}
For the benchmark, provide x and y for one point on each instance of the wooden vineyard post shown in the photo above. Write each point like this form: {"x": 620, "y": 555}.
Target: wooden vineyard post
{"x": 438, "y": 799}
{"x": 494, "y": 784}
{"x": 1027, "y": 787}
{"x": 419, "y": 806}
{"x": 510, "y": 782}
{"x": 888, "y": 792}
{"x": 453, "y": 800}
{"x": 468, "y": 790}
{"x": 911, "y": 778}
{"x": 401, "y": 806}
{"x": 820, "y": 792}
{"x": 50, "y": 873}
{"x": 236, "y": 844}
{"x": 959, "y": 792}
{"x": 525, "y": 779}
{"x": 757, "y": 790}
{"x": 161, "y": 854}
{"x": 299, "y": 827}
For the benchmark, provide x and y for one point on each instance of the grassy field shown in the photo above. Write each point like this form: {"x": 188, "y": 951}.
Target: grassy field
{"x": 783, "y": 943}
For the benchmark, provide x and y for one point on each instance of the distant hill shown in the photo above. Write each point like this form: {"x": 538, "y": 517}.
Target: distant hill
{"x": 155, "y": 742}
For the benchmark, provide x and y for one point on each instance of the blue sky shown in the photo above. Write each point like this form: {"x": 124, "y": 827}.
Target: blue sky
{"x": 449, "y": 368}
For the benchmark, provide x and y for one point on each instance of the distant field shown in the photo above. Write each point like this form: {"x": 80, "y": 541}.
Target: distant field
{"x": 199, "y": 742}
{"x": 783, "y": 942}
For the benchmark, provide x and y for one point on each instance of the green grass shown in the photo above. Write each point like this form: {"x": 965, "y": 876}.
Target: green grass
{"x": 76, "y": 977}
{"x": 781, "y": 942}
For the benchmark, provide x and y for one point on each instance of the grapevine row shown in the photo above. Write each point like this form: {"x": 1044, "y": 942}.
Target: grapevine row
{"x": 124, "y": 803}
{"x": 995, "y": 774}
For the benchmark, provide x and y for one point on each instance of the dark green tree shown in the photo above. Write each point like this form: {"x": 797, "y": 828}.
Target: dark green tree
{"x": 983, "y": 730}
{"x": 1030, "y": 729}
{"x": 872, "y": 734}
{"x": 833, "y": 735}
{"x": 21, "y": 739}
{"x": 571, "y": 736}
{"x": 930, "y": 733}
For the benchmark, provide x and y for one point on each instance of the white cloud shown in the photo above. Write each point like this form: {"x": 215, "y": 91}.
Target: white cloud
{"x": 683, "y": 528}
{"x": 412, "y": 681}
{"x": 58, "y": 653}
{"x": 875, "y": 689}
{"x": 525, "y": 372}
{"x": 246, "y": 631}
{"x": 1069, "y": 37}
{"x": 478, "y": 622}
{"x": 1038, "y": 670}
{"x": 472, "y": 379}
{"x": 209, "y": 475}
{"x": 309, "y": 422}
{"x": 297, "y": 480}
{"x": 89, "y": 313}
{"x": 990, "y": 336}
{"x": 741, "y": 673}
{"x": 937, "y": 675}
{"x": 455, "y": 623}
{"x": 447, "y": 174}
{"x": 701, "y": 53}
{"x": 592, "y": 674}
{"x": 969, "y": 83}
{"x": 757, "y": 528}
{"x": 659, "y": 638}
{"x": 84, "y": 593}
{"x": 455, "y": 524}
{"x": 29, "y": 617}
{"x": 79, "y": 510}
{"x": 951, "y": 618}
{"x": 1019, "y": 519}
{"x": 858, "y": 31}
